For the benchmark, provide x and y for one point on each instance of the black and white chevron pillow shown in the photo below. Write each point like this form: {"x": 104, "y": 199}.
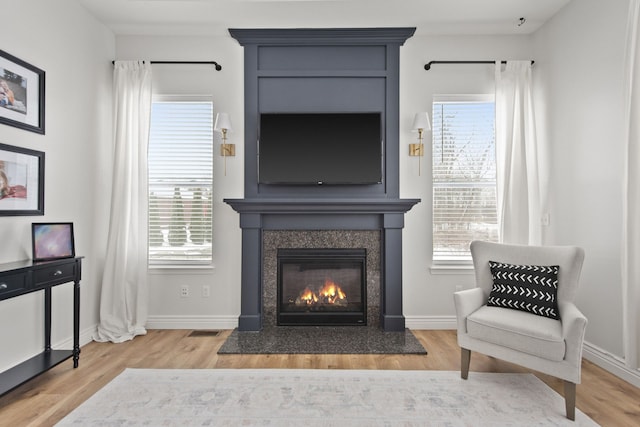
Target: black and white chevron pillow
{"x": 531, "y": 288}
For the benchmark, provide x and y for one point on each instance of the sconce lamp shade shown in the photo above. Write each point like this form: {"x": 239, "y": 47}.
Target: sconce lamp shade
{"x": 421, "y": 122}
{"x": 222, "y": 122}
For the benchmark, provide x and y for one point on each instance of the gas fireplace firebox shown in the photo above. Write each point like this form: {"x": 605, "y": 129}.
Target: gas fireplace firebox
{"x": 322, "y": 287}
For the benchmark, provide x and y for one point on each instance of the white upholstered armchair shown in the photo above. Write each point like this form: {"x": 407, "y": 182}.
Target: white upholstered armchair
{"x": 517, "y": 320}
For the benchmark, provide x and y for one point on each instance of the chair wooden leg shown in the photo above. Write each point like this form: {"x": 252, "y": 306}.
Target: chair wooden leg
{"x": 464, "y": 363}
{"x": 570, "y": 399}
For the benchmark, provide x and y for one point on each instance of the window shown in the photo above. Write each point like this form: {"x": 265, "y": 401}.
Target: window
{"x": 180, "y": 181}
{"x": 464, "y": 175}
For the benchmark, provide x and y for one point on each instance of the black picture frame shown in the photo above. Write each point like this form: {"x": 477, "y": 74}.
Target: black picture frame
{"x": 21, "y": 181}
{"x": 52, "y": 240}
{"x": 21, "y": 94}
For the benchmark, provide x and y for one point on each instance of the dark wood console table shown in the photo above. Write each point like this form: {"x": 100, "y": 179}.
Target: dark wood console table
{"x": 23, "y": 277}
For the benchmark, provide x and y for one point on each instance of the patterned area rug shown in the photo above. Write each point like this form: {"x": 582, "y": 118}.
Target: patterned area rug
{"x": 302, "y": 397}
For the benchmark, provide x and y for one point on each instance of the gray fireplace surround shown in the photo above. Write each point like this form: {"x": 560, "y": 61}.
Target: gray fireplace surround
{"x": 322, "y": 70}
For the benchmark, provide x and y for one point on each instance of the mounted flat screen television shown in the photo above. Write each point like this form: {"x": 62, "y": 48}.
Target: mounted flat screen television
{"x": 320, "y": 148}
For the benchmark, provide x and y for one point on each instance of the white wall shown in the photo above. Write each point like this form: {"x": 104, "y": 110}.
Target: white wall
{"x": 579, "y": 70}
{"x": 75, "y": 52}
{"x": 167, "y": 309}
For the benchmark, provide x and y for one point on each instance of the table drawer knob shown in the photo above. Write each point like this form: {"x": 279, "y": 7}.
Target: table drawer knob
{"x": 3, "y": 286}
{"x": 57, "y": 273}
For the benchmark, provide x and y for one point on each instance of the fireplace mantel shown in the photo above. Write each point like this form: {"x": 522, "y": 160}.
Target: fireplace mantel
{"x": 326, "y": 206}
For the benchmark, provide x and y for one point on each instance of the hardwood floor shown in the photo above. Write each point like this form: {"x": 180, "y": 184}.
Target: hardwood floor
{"x": 48, "y": 398}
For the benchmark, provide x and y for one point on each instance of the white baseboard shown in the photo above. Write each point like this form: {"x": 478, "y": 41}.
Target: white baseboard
{"x": 611, "y": 363}
{"x": 192, "y": 322}
{"x": 431, "y": 322}
{"x": 231, "y": 322}
{"x": 86, "y": 336}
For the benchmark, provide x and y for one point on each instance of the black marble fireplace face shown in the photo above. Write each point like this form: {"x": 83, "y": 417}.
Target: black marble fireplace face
{"x": 363, "y": 309}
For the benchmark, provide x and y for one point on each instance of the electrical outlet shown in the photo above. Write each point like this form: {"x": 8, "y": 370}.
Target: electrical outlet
{"x": 184, "y": 291}
{"x": 206, "y": 291}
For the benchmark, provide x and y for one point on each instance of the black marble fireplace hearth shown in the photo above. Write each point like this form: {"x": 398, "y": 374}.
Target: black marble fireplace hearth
{"x": 322, "y": 340}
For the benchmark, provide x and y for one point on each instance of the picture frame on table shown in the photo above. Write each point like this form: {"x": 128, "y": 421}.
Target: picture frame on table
{"x": 21, "y": 181}
{"x": 21, "y": 94}
{"x": 52, "y": 240}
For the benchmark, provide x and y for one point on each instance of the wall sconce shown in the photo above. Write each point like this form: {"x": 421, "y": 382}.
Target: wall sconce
{"x": 420, "y": 124}
{"x": 223, "y": 125}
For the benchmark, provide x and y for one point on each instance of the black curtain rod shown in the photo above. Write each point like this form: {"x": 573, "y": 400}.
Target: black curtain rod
{"x": 428, "y": 65}
{"x": 218, "y": 66}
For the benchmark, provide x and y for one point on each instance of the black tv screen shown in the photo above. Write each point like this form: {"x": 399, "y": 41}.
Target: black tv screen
{"x": 320, "y": 148}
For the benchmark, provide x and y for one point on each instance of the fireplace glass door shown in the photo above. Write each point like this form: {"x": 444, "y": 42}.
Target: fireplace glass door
{"x": 322, "y": 286}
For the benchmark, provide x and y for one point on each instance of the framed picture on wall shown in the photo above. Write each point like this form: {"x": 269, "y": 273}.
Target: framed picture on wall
{"x": 21, "y": 94}
{"x": 21, "y": 181}
{"x": 52, "y": 240}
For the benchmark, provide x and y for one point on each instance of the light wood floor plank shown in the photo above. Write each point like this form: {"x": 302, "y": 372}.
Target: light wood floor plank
{"x": 46, "y": 399}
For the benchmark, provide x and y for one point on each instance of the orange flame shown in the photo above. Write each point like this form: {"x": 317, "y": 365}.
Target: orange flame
{"x": 332, "y": 292}
{"x": 308, "y": 296}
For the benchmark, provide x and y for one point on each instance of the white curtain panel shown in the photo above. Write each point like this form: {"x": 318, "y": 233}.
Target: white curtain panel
{"x": 518, "y": 180}
{"x": 631, "y": 197}
{"x": 124, "y": 298}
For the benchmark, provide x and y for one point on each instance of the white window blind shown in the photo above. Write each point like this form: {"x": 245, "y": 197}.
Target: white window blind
{"x": 464, "y": 175}
{"x": 180, "y": 182}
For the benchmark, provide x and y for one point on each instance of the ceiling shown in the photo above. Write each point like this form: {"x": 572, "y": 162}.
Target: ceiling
{"x": 431, "y": 17}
